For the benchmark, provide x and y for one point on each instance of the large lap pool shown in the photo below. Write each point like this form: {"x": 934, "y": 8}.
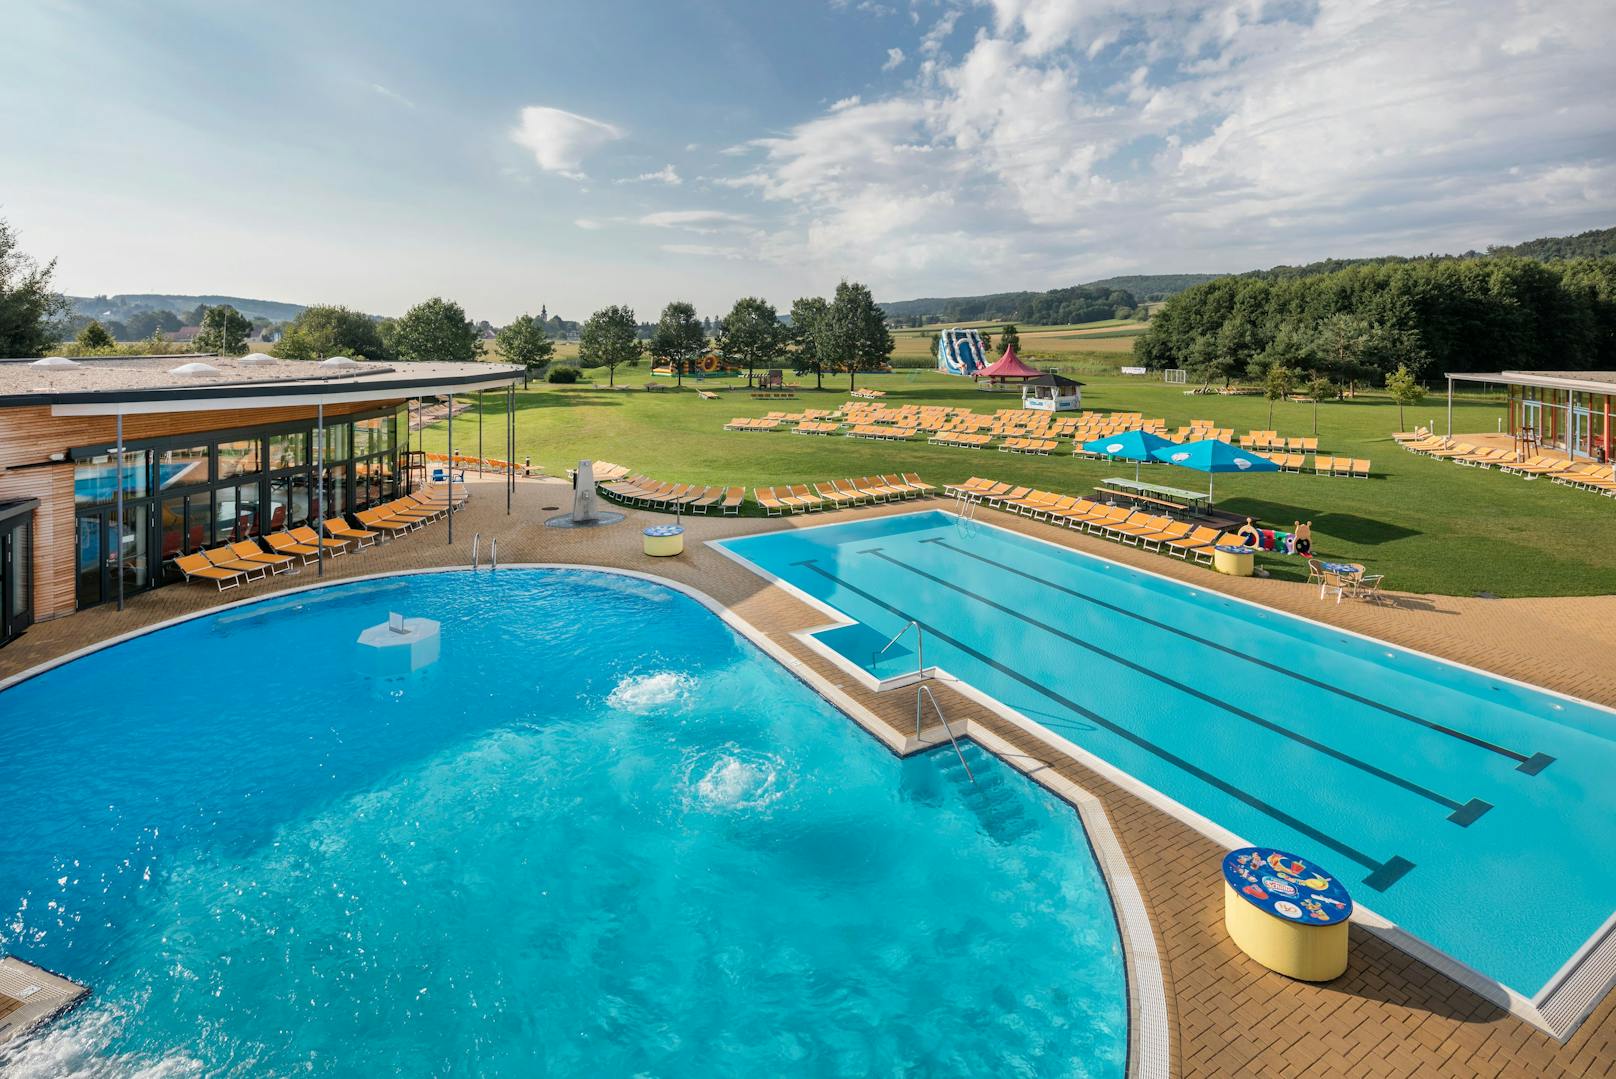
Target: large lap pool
{"x": 603, "y": 835}
{"x": 1472, "y": 811}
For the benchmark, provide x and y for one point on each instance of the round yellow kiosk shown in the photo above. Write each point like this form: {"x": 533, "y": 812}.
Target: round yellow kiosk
{"x": 1235, "y": 560}
{"x": 664, "y": 541}
{"x": 1286, "y": 914}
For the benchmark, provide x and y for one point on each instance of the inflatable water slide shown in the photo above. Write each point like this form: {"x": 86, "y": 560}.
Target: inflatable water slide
{"x": 959, "y": 352}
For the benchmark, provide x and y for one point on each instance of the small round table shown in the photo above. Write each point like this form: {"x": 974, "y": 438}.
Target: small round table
{"x": 663, "y": 541}
{"x": 1286, "y": 914}
{"x": 1235, "y": 560}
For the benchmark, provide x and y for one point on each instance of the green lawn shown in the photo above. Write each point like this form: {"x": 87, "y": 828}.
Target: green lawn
{"x": 1429, "y": 526}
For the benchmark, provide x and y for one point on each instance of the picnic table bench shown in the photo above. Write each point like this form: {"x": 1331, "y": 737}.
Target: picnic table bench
{"x": 1134, "y": 496}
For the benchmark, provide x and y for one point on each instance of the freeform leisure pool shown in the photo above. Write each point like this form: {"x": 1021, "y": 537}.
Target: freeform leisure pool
{"x": 601, "y": 835}
{"x": 1472, "y": 811}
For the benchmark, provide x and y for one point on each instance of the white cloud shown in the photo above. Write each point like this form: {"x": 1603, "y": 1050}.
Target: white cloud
{"x": 560, "y": 140}
{"x": 704, "y": 250}
{"x": 694, "y": 220}
{"x": 1074, "y": 138}
{"x": 894, "y": 60}
{"x": 589, "y": 223}
{"x": 667, "y": 174}
{"x": 393, "y": 95}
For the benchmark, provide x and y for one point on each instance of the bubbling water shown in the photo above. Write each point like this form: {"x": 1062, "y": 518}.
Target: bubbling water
{"x": 732, "y": 778}
{"x": 641, "y": 693}
{"x": 81, "y": 1048}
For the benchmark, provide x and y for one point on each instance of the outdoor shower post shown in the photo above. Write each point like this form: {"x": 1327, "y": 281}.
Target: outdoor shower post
{"x": 319, "y": 487}
{"x": 451, "y": 470}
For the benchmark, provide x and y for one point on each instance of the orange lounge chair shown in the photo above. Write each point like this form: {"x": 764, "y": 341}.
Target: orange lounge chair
{"x": 224, "y": 558}
{"x": 306, "y": 535}
{"x": 733, "y": 497}
{"x": 248, "y": 551}
{"x": 283, "y": 543}
{"x": 340, "y": 529}
{"x": 196, "y": 567}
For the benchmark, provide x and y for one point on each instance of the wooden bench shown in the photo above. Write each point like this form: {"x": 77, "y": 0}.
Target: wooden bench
{"x": 773, "y": 395}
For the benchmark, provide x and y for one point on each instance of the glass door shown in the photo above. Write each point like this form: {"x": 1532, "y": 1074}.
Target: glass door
{"x": 16, "y": 575}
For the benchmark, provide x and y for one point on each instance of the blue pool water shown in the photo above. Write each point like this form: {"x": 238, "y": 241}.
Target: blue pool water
{"x": 602, "y": 835}
{"x": 1472, "y": 811}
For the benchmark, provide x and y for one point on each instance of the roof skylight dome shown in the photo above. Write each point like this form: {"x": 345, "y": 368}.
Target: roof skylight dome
{"x": 257, "y": 359}
{"x": 339, "y": 361}
{"x": 194, "y": 369}
{"x": 55, "y": 361}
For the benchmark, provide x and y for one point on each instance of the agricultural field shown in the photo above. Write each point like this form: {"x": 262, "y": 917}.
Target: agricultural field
{"x": 1428, "y": 525}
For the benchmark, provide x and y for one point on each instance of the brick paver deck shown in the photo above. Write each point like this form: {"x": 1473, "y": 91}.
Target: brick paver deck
{"x": 1388, "y": 1015}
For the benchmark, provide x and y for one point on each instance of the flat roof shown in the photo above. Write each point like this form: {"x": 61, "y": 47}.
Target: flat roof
{"x": 1581, "y": 381}
{"x": 103, "y": 385}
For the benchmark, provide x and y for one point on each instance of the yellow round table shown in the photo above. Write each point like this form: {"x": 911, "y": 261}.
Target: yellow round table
{"x": 1235, "y": 561}
{"x": 664, "y": 541}
{"x": 1286, "y": 914}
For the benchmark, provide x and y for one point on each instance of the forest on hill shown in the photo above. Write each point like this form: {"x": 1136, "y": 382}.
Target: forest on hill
{"x": 1364, "y": 321}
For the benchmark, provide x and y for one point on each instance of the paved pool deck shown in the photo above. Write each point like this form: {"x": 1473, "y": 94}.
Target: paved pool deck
{"x": 1389, "y": 1015}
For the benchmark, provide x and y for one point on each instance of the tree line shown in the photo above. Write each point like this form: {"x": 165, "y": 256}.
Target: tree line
{"x": 846, "y": 333}
{"x": 1365, "y": 322}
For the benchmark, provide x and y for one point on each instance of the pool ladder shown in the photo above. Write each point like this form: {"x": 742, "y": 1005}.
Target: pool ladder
{"x": 493, "y": 552}
{"x": 966, "y": 511}
{"x": 923, "y": 690}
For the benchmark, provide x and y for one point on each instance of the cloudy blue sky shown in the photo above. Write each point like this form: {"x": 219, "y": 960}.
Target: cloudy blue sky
{"x": 576, "y": 154}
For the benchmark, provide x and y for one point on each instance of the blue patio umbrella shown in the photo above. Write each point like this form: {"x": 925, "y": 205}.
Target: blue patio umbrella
{"x": 1135, "y": 446}
{"x": 1213, "y": 455}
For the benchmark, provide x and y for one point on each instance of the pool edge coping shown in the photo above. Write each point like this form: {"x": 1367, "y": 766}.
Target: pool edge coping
{"x": 1558, "y": 1009}
{"x": 1143, "y": 971}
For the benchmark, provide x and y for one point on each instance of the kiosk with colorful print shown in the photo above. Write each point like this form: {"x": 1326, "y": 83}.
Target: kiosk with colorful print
{"x": 1285, "y": 913}
{"x": 661, "y": 541}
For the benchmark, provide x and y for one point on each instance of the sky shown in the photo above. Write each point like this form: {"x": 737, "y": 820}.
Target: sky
{"x": 513, "y": 155}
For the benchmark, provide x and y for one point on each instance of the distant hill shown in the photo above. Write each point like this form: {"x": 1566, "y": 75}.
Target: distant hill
{"x": 124, "y": 307}
{"x": 1038, "y": 307}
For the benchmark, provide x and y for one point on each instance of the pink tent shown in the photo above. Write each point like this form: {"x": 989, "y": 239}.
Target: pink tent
{"x": 1008, "y": 366}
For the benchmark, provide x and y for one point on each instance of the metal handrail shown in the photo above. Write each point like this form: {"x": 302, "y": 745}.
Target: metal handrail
{"x": 493, "y": 554}
{"x": 476, "y": 545}
{"x": 923, "y": 688}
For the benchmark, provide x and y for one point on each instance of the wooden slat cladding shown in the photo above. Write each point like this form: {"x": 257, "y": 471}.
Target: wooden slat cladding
{"x": 54, "y": 543}
{"x": 30, "y": 435}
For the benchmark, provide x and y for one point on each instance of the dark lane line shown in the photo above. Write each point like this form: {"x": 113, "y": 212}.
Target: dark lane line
{"x": 1382, "y": 875}
{"x": 1462, "y": 813}
{"x": 1530, "y": 765}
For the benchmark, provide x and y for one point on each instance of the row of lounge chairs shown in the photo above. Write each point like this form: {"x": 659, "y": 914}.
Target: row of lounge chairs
{"x": 231, "y": 565}
{"x": 742, "y": 423}
{"x": 1139, "y": 528}
{"x": 1273, "y": 440}
{"x": 1568, "y": 472}
{"x": 778, "y": 501}
{"x": 817, "y": 427}
{"x": 868, "y": 394}
{"x": 1040, "y": 446}
{"x": 1323, "y": 465}
{"x": 959, "y": 438}
{"x": 877, "y": 431}
{"x": 644, "y": 491}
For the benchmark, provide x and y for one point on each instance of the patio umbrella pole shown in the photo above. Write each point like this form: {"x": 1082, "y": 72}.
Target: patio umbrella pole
{"x": 119, "y": 532}
{"x": 451, "y": 470}
{"x": 319, "y": 487}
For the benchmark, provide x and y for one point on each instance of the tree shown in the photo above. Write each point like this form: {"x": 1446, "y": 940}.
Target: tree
{"x": 436, "y": 329}
{"x": 1277, "y": 387}
{"x": 1342, "y": 342}
{"x": 1319, "y": 388}
{"x": 223, "y": 330}
{"x": 678, "y": 338}
{"x": 853, "y": 335}
{"x": 806, "y": 315}
{"x": 987, "y": 343}
{"x": 325, "y": 330}
{"x": 751, "y": 334}
{"x": 524, "y": 342}
{"x": 29, "y": 307}
{"x": 93, "y": 338}
{"x": 143, "y": 324}
{"x": 609, "y": 338}
{"x": 1405, "y": 390}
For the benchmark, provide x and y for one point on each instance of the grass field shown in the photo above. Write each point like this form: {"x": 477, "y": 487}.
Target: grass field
{"x": 1430, "y": 526}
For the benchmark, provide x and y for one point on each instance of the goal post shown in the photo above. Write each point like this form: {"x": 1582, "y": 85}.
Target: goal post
{"x": 1173, "y": 374}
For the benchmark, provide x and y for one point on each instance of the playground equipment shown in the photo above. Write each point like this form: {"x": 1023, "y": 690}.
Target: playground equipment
{"x": 960, "y": 352}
